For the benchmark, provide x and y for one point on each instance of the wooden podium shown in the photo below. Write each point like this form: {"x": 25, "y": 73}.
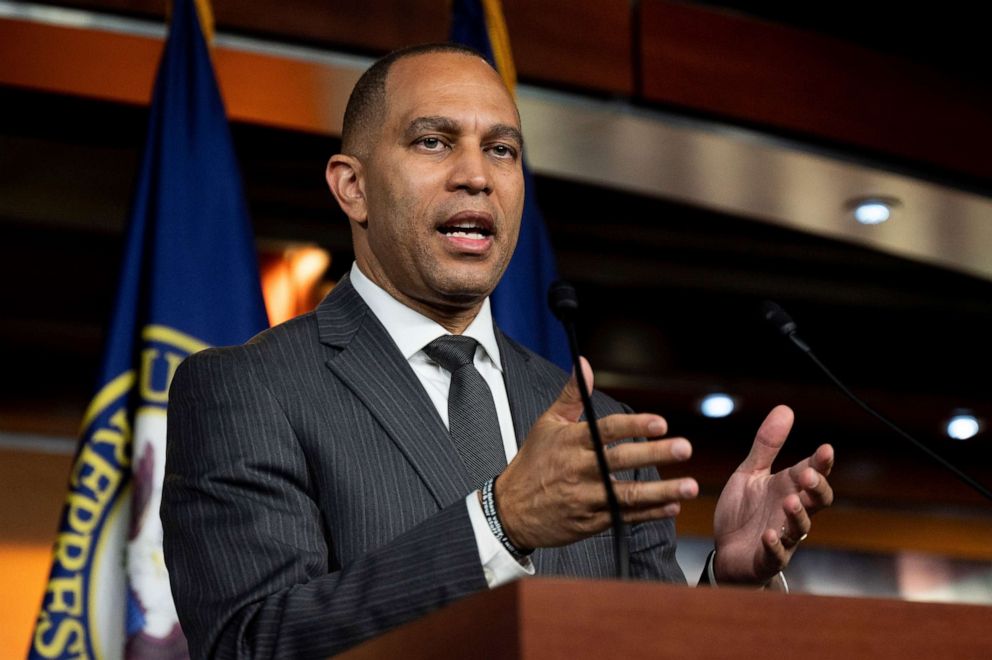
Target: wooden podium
{"x": 550, "y": 619}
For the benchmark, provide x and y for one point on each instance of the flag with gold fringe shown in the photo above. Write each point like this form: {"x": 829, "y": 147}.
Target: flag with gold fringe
{"x": 189, "y": 280}
{"x": 519, "y": 303}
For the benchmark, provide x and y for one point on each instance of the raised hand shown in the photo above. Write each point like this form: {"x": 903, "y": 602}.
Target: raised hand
{"x": 551, "y": 493}
{"x": 761, "y": 517}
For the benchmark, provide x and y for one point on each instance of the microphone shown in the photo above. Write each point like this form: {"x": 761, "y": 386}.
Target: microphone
{"x": 783, "y": 323}
{"x": 564, "y": 304}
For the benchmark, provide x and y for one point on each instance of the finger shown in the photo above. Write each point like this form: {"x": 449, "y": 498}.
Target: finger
{"x": 590, "y": 523}
{"x": 797, "y": 522}
{"x": 775, "y": 557}
{"x": 625, "y": 425}
{"x": 803, "y": 476}
{"x": 631, "y": 455}
{"x": 669, "y": 510}
{"x": 818, "y": 495}
{"x": 568, "y": 405}
{"x": 822, "y": 459}
{"x": 769, "y": 440}
{"x": 647, "y": 494}
{"x": 809, "y": 476}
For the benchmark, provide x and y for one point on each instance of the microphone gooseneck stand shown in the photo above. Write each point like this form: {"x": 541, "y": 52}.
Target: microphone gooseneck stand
{"x": 782, "y": 322}
{"x": 564, "y": 304}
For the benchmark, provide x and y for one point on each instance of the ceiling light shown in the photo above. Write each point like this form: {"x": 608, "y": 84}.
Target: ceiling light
{"x": 872, "y": 211}
{"x": 963, "y": 426}
{"x": 717, "y": 405}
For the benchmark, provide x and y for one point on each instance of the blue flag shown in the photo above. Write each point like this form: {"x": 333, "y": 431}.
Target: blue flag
{"x": 189, "y": 280}
{"x": 519, "y": 303}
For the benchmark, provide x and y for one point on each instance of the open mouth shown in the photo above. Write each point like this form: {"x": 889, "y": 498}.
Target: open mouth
{"x": 472, "y": 226}
{"x": 461, "y": 231}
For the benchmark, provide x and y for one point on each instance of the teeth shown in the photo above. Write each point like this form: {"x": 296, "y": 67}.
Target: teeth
{"x": 467, "y": 234}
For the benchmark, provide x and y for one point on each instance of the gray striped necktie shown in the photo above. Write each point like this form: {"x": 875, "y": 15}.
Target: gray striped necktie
{"x": 472, "y": 419}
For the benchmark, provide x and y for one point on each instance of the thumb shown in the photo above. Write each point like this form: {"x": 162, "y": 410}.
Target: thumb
{"x": 769, "y": 440}
{"x": 568, "y": 405}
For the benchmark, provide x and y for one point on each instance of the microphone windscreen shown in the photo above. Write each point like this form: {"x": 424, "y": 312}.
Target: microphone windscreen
{"x": 777, "y": 317}
{"x": 562, "y": 299}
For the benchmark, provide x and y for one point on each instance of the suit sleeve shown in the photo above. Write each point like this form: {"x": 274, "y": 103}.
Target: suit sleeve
{"x": 653, "y": 543}
{"x": 244, "y": 541}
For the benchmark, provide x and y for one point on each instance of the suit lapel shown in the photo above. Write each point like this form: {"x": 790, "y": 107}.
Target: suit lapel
{"x": 527, "y": 400}
{"x": 371, "y": 366}
{"x": 529, "y": 394}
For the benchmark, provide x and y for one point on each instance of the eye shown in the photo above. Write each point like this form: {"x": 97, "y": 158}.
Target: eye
{"x": 503, "y": 151}
{"x": 431, "y": 143}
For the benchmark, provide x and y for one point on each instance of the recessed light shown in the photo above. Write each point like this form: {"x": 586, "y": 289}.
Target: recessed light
{"x": 872, "y": 210}
{"x": 717, "y": 405}
{"x": 963, "y": 426}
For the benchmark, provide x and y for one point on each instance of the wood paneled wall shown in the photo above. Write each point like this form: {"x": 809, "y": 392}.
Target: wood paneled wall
{"x": 677, "y": 55}
{"x": 805, "y": 84}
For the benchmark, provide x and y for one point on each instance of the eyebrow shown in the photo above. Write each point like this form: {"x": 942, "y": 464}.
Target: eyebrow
{"x": 449, "y": 126}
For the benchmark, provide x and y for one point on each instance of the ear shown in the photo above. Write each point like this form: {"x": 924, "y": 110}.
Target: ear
{"x": 345, "y": 178}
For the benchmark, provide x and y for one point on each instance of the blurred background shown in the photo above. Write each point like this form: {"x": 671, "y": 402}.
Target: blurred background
{"x": 692, "y": 159}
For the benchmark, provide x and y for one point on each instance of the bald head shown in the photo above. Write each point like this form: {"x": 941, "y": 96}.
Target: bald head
{"x": 366, "y": 110}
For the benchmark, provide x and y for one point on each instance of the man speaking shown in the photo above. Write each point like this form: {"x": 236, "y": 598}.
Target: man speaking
{"x": 364, "y": 464}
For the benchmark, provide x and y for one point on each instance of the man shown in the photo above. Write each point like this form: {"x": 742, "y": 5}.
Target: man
{"x": 319, "y": 489}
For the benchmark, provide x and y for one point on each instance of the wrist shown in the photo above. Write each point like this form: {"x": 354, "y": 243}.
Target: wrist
{"x": 506, "y": 514}
{"x": 490, "y": 509}
{"x": 776, "y": 582}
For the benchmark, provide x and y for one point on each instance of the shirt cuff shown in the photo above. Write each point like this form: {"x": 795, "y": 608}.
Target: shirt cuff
{"x": 776, "y": 583}
{"x": 498, "y": 565}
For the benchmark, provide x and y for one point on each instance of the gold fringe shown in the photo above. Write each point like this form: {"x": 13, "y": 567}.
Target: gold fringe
{"x": 206, "y": 14}
{"x": 499, "y": 40}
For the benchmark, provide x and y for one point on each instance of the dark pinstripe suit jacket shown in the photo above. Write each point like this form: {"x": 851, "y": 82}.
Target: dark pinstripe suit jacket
{"x": 313, "y": 499}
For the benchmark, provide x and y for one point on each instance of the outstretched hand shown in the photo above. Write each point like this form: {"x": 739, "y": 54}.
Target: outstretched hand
{"x": 551, "y": 493}
{"x": 761, "y": 517}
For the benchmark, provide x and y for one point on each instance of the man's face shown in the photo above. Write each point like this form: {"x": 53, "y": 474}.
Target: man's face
{"x": 444, "y": 183}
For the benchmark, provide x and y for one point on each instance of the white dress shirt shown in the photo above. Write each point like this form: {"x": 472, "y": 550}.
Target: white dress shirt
{"x": 412, "y": 331}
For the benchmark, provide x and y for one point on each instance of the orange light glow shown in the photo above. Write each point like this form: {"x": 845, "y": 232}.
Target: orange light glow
{"x": 24, "y": 571}
{"x": 291, "y": 280}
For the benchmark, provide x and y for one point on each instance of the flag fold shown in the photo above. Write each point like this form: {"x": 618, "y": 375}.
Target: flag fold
{"x": 189, "y": 280}
{"x": 519, "y": 303}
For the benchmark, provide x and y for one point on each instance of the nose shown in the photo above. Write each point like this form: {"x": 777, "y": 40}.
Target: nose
{"x": 470, "y": 171}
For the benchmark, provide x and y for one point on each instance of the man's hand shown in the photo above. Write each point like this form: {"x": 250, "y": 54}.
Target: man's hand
{"x": 551, "y": 493}
{"x": 761, "y": 517}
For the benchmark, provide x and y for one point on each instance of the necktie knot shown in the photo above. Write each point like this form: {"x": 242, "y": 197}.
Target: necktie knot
{"x": 452, "y": 351}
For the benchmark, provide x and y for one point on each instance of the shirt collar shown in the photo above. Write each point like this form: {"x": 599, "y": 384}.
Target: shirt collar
{"x": 411, "y": 330}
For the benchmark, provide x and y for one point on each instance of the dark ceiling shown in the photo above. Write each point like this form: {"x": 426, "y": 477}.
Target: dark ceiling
{"x": 951, "y": 37}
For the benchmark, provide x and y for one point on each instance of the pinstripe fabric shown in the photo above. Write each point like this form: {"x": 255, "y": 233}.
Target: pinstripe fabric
{"x": 313, "y": 497}
{"x": 472, "y": 421}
